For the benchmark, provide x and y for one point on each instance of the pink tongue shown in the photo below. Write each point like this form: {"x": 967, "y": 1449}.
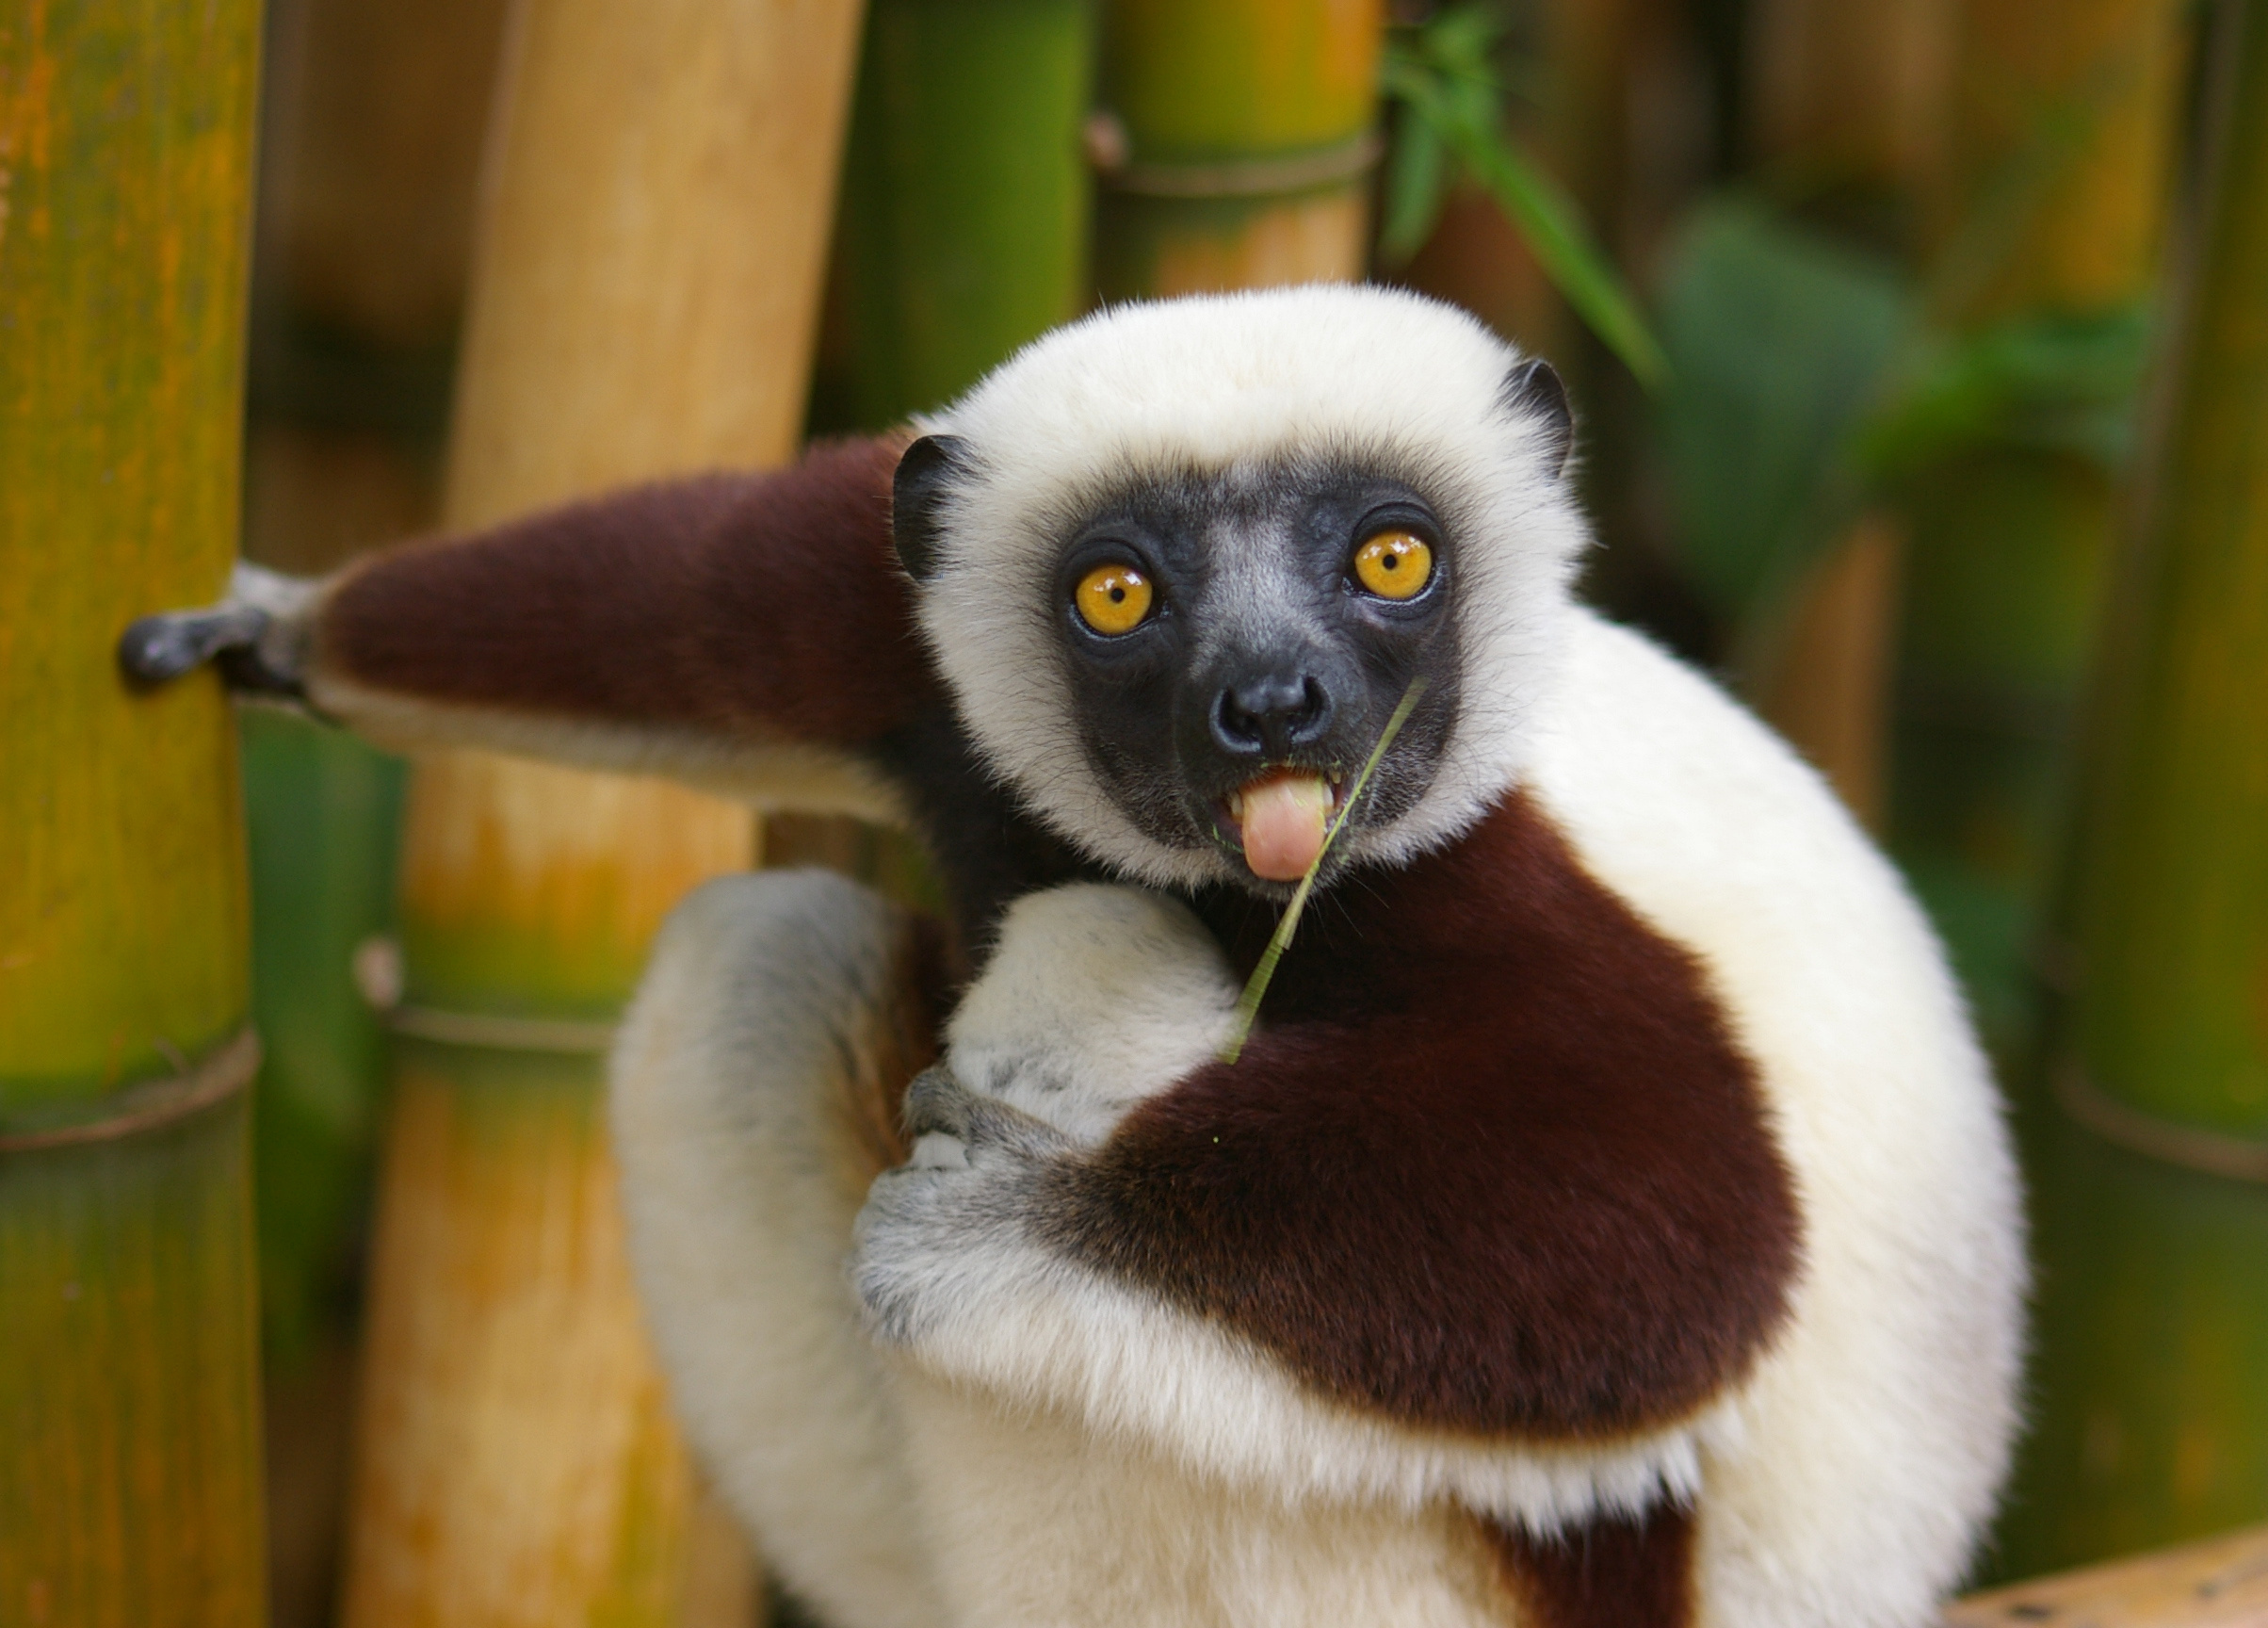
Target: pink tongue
{"x": 1284, "y": 818}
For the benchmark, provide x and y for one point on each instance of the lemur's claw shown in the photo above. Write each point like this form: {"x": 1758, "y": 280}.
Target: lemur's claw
{"x": 161, "y": 648}
{"x": 257, "y": 636}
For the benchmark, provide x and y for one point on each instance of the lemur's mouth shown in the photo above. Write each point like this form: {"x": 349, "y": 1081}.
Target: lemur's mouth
{"x": 1281, "y": 818}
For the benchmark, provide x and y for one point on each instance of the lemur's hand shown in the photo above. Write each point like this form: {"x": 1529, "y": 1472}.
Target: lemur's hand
{"x": 257, "y": 635}
{"x": 963, "y": 1198}
{"x": 1097, "y": 998}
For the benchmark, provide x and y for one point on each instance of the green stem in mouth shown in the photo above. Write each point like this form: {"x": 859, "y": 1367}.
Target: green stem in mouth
{"x": 1248, "y": 1005}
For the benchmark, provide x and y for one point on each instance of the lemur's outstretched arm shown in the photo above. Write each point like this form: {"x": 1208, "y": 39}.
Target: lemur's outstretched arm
{"x": 751, "y": 631}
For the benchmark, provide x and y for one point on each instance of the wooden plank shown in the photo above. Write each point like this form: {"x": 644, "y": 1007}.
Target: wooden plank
{"x": 2221, "y": 1582}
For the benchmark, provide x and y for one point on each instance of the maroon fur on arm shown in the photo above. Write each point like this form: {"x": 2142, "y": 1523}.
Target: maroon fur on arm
{"x": 770, "y": 603}
{"x": 1613, "y": 1572}
{"x": 1492, "y": 1162}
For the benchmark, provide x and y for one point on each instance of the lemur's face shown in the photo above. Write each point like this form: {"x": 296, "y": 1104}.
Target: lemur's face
{"x": 1179, "y": 564}
{"x": 1235, "y": 643}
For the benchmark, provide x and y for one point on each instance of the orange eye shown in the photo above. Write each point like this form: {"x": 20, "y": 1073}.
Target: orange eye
{"x": 1394, "y": 565}
{"x": 1113, "y": 598}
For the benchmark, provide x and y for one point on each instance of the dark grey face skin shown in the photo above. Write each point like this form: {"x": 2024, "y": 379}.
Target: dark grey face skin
{"x": 1262, "y": 650}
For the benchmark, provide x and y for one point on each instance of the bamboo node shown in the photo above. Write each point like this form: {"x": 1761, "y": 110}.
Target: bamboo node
{"x": 1230, "y": 178}
{"x": 2233, "y": 1158}
{"x": 378, "y": 979}
{"x": 153, "y": 1104}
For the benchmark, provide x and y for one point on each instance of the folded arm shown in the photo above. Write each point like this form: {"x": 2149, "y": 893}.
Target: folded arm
{"x": 1456, "y": 1248}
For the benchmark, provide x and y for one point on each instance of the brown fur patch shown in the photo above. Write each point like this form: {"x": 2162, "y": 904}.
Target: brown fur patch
{"x": 770, "y": 604}
{"x": 901, "y": 1041}
{"x": 1610, "y": 1572}
{"x": 1491, "y": 1162}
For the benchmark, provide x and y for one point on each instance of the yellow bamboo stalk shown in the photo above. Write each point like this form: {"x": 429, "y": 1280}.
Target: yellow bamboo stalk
{"x": 1849, "y": 96}
{"x": 1826, "y": 685}
{"x": 2150, "y": 1164}
{"x": 1234, "y": 150}
{"x": 129, "y": 1407}
{"x": 644, "y": 297}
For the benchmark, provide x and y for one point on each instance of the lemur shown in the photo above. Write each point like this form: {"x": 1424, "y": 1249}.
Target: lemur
{"x": 1609, "y": 1220}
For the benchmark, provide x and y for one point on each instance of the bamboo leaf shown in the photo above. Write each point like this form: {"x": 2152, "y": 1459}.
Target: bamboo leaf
{"x": 1780, "y": 343}
{"x": 1548, "y": 222}
{"x": 1416, "y": 182}
{"x": 1248, "y": 1005}
{"x": 1451, "y": 101}
{"x": 2063, "y": 382}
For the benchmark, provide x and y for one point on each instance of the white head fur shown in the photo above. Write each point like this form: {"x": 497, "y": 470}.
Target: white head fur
{"x": 1389, "y": 379}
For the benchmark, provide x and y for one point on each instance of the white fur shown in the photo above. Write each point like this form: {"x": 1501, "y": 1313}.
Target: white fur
{"x": 1057, "y": 1449}
{"x": 1096, "y": 998}
{"x": 742, "y": 1167}
{"x": 1211, "y": 384}
{"x": 1842, "y": 1486}
{"x": 1879, "y": 1427}
{"x": 784, "y": 777}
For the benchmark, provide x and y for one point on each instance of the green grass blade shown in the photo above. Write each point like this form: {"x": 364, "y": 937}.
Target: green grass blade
{"x": 1248, "y": 1005}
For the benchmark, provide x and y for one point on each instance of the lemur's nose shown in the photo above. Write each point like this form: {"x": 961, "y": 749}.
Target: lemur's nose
{"x": 1271, "y": 716}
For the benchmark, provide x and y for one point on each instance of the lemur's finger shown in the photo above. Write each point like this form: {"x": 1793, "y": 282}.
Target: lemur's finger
{"x": 936, "y": 1102}
{"x": 158, "y": 649}
{"x": 257, "y": 635}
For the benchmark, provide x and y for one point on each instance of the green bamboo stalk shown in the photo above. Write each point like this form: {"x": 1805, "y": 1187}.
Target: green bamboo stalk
{"x": 129, "y": 1412}
{"x": 371, "y": 118}
{"x": 1241, "y": 130}
{"x": 2064, "y": 115}
{"x": 961, "y": 232}
{"x": 2154, "y": 1173}
{"x": 322, "y": 810}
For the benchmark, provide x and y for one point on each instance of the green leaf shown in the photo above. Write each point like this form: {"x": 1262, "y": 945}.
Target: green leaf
{"x": 1780, "y": 343}
{"x": 1554, "y": 232}
{"x": 1440, "y": 77}
{"x": 1416, "y": 182}
{"x": 2063, "y": 382}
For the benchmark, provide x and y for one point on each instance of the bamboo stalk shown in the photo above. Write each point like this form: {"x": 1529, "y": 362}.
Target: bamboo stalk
{"x": 129, "y": 1410}
{"x": 2064, "y": 115}
{"x": 1827, "y": 686}
{"x": 1847, "y": 107}
{"x": 370, "y": 132}
{"x": 644, "y": 295}
{"x": 1239, "y": 147}
{"x": 963, "y": 227}
{"x": 1847, "y": 102}
{"x": 961, "y": 233}
{"x": 372, "y": 113}
{"x": 2154, "y": 1183}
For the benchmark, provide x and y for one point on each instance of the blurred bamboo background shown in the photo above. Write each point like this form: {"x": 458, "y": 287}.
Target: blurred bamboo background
{"x": 1859, "y": 302}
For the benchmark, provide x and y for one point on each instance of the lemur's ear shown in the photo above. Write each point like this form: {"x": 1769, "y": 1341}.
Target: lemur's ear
{"x": 926, "y": 473}
{"x": 1533, "y": 391}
